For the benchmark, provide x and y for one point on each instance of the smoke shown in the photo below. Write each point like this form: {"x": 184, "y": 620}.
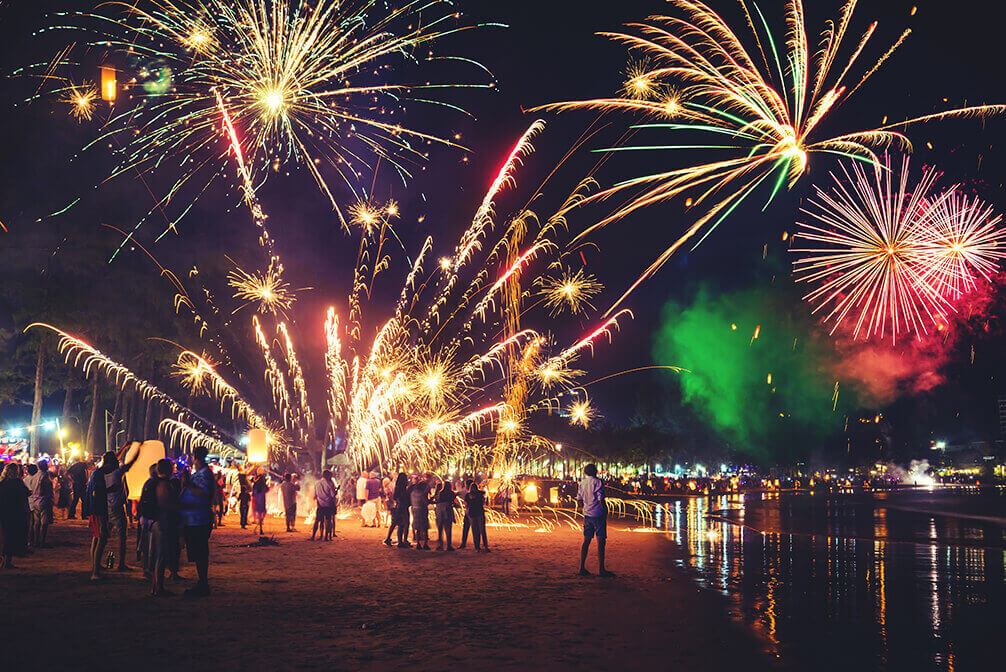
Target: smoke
{"x": 916, "y": 474}
{"x": 759, "y": 377}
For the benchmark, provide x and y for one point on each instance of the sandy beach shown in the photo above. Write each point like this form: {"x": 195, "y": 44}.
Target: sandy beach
{"x": 353, "y": 604}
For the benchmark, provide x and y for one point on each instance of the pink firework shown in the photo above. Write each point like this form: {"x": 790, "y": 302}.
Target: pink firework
{"x": 863, "y": 256}
{"x": 961, "y": 244}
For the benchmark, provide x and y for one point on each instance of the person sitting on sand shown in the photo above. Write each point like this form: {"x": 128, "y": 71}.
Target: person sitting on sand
{"x": 595, "y": 518}
{"x": 419, "y": 496}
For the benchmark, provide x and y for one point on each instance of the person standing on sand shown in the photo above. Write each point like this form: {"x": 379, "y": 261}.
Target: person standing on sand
{"x": 475, "y": 501}
{"x": 13, "y": 524}
{"x": 289, "y": 490}
{"x": 195, "y": 502}
{"x": 399, "y": 506}
{"x": 326, "y": 497}
{"x": 163, "y": 530}
{"x": 447, "y": 500}
{"x": 419, "y": 496}
{"x": 244, "y": 498}
{"x": 40, "y": 501}
{"x": 361, "y": 488}
{"x": 95, "y": 505}
{"x": 260, "y": 487}
{"x": 595, "y": 518}
{"x": 148, "y": 513}
{"x": 115, "y": 491}
{"x": 78, "y": 481}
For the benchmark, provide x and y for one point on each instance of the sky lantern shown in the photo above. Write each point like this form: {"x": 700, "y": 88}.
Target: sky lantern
{"x": 258, "y": 446}
{"x": 108, "y": 84}
{"x": 150, "y": 453}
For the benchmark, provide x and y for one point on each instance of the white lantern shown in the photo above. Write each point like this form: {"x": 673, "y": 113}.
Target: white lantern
{"x": 258, "y": 446}
{"x": 150, "y": 453}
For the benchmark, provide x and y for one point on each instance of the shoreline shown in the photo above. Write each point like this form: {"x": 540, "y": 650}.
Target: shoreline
{"x": 354, "y": 604}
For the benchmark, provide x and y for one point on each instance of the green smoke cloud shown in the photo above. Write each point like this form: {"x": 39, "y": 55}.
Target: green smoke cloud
{"x": 788, "y": 416}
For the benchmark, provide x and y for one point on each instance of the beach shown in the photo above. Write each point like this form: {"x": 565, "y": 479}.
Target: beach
{"x": 354, "y": 604}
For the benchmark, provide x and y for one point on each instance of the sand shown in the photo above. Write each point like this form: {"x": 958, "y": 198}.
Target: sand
{"x": 353, "y": 604}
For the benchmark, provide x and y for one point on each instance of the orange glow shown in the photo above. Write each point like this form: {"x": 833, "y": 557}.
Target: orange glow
{"x": 109, "y": 87}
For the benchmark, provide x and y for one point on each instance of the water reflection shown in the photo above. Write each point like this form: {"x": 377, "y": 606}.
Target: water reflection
{"x": 884, "y": 582}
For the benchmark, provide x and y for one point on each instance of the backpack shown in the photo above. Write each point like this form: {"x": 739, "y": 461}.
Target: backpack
{"x": 95, "y": 497}
{"x": 148, "y": 499}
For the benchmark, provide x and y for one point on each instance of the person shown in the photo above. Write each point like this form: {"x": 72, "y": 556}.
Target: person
{"x": 40, "y": 501}
{"x": 506, "y": 496}
{"x": 61, "y": 483}
{"x": 147, "y": 506}
{"x": 447, "y": 500}
{"x": 13, "y": 524}
{"x": 78, "y": 483}
{"x": 95, "y": 505}
{"x": 475, "y": 502}
{"x": 374, "y": 498}
{"x": 387, "y": 494}
{"x": 419, "y": 497}
{"x": 219, "y": 500}
{"x": 361, "y": 488}
{"x": 244, "y": 499}
{"x": 163, "y": 529}
{"x": 326, "y": 496}
{"x": 289, "y": 490}
{"x": 260, "y": 487}
{"x": 595, "y": 518}
{"x": 400, "y": 511}
{"x": 115, "y": 492}
{"x": 195, "y": 503}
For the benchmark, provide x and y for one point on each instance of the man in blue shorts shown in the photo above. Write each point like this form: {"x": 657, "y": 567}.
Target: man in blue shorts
{"x": 595, "y": 518}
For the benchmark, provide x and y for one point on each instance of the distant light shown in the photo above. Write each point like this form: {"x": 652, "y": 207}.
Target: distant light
{"x": 243, "y": 440}
{"x": 49, "y": 426}
{"x": 723, "y": 467}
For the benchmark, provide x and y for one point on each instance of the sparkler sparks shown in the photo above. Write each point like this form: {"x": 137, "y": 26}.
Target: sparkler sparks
{"x": 763, "y": 109}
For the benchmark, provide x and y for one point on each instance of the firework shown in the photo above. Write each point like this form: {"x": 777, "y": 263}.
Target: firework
{"x": 269, "y": 290}
{"x": 961, "y": 244}
{"x": 81, "y": 100}
{"x": 304, "y": 83}
{"x": 431, "y": 385}
{"x": 570, "y": 291}
{"x": 581, "y": 413}
{"x": 867, "y": 264}
{"x": 762, "y": 108}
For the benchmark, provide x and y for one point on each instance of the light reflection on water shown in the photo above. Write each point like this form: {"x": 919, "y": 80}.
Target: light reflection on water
{"x": 853, "y": 581}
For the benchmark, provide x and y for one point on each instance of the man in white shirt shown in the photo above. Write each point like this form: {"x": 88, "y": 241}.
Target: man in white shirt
{"x": 595, "y": 518}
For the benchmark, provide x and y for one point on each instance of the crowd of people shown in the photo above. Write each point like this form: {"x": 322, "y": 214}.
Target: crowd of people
{"x": 179, "y": 505}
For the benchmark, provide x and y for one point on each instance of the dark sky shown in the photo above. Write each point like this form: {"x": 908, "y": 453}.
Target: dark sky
{"x": 550, "y": 53}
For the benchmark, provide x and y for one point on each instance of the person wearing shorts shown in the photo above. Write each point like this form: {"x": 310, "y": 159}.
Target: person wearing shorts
{"x": 595, "y": 518}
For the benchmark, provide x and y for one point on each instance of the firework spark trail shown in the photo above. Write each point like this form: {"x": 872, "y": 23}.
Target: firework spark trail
{"x": 765, "y": 119}
{"x": 187, "y": 437}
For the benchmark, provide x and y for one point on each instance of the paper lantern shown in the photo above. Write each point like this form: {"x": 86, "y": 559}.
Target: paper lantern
{"x": 108, "y": 84}
{"x": 531, "y": 494}
{"x": 150, "y": 453}
{"x": 258, "y": 445}
{"x": 553, "y": 495}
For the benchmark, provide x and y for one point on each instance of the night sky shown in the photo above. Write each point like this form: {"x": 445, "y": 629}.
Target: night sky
{"x": 550, "y": 53}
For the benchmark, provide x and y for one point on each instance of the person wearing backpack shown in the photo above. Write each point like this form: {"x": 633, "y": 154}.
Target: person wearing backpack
{"x": 96, "y": 506}
{"x": 164, "y": 529}
{"x": 148, "y": 514}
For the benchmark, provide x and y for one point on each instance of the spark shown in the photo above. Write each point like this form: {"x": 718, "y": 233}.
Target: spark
{"x": 570, "y": 291}
{"x": 268, "y": 290}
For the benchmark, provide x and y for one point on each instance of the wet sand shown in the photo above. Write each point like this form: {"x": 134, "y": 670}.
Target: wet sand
{"x": 353, "y": 604}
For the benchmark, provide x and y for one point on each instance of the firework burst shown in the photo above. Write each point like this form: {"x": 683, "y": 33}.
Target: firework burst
{"x": 761, "y": 106}
{"x": 570, "y": 291}
{"x": 891, "y": 257}
{"x": 303, "y": 83}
